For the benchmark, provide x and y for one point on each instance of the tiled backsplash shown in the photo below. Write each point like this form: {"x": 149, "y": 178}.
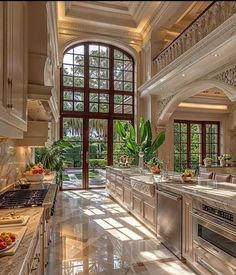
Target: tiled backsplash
{"x": 11, "y": 158}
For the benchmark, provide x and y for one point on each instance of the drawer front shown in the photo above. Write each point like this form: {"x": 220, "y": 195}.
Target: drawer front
{"x": 137, "y": 204}
{"x": 149, "y": 213}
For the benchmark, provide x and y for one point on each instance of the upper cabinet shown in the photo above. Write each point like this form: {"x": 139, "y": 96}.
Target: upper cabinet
{"x": 13, "y": 68}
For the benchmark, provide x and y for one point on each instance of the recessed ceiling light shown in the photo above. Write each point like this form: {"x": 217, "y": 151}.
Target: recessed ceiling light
{"x": 216, "y": 54}
{"x": 183, "y": 75}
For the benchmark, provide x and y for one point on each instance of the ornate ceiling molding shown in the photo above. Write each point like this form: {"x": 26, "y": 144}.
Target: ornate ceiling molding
{"x": 228, "y": 76}
{"x": 163, "y": 103}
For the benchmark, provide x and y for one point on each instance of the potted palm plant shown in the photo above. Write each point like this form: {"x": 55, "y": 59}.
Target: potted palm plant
{"x": 145, "y": 144}
{"x": 154, "y": 165}
{"x": 54, "y": 157}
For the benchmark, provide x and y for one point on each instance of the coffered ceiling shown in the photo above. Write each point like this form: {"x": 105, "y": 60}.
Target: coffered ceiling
{"x": 133, "y": 20}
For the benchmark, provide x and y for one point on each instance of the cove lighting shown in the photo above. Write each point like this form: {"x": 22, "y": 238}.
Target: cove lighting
{"x": 203, "y": 106}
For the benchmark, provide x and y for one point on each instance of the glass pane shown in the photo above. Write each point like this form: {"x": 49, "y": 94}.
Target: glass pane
{"x": 68, "y": 105}
{"x": 104, "y": 98}
{"x": 67, "y": 69}
{"x": 93, "y": 97}
{"x": 118, "y": 54}
{"x": 78, "y": 71}
{"x": 126, "y": 57}
{"x": 103, "y": 84}
{"x": 68, "y": 95}
{"x": 118, "y": 75}
{"x": 93, "y": 50}
{"x": 104, "y": 51}
{"x": 118, "y": 109}
{"x": 184, "y": 127}
{"x": 97, "y": 151}
{"x": 68, "y": 58}
{"x": 128, "y": 76}
{"x": 72, "y": 174}
{"x": 93, "y": 83}
{"x": 78, "y": 82}
{"x": 79, "y": 49}
{"x": 79, "y": 106}
{"x": 128, "y": 66}
{"x": 103, "y": 108}
{"x": 128, "y": 86}
{"x": 104, "y": 63}
{"x": 67, "y": 80}
{"x": 93, "y": 61}
{"x": 118, "y": 64}
{"x": 128, "y": 99}
{"x": 128, "y": 109}
{"x": 93, "y": 107}
{"x": 118, "y": 85}
{"x": 104, "y": 73}
{"x": 118, "y": 98}
{"x": 93, "y": 73}
{"x": 79, "y": 60}
{"x": 78, "y": 96}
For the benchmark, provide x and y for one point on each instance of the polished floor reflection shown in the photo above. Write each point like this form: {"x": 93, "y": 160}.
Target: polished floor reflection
{"x": 94, "y": 235}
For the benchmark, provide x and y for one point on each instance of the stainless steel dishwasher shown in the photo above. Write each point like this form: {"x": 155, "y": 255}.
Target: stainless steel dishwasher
{"x": 169, "y": 220}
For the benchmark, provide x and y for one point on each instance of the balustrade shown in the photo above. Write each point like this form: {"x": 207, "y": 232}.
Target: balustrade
{"x": 213, "y": 17}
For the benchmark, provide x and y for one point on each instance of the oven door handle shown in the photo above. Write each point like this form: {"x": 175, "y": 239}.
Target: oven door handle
{"x": 200, "y": 217}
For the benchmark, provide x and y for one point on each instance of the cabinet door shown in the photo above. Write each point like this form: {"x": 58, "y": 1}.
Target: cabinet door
{"x": 187, "y": 229}
{"x": 149, "y": 213}
{"x": 19, "y": 71}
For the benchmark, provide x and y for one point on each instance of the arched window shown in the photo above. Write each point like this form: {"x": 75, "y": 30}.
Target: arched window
{"x": 97, "y": 88}
{"x": 98, "y": 78}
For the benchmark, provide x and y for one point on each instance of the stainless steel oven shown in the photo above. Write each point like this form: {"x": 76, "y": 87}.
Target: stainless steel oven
{"x": 214, "y": 234}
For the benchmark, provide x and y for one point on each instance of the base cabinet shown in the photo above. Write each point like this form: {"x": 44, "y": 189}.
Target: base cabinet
{"x": 127, "y": 196}
{"x": 187, "y": 229}
{"x": 149, "y": 213}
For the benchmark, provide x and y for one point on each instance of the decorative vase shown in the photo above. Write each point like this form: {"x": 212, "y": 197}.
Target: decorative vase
{"x": 222, "y": 162}
{"x": 207, "y": 163}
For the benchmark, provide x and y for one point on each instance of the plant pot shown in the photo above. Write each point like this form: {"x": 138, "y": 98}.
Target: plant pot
{"x": 207, "y": 163}
{"x": 222, "y": 162}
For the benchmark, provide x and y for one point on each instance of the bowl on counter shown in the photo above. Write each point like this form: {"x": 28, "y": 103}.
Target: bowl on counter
{"x": 34, "y": 177}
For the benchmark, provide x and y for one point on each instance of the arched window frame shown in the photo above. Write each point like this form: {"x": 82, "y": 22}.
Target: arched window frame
{"x": 111, "y": 92}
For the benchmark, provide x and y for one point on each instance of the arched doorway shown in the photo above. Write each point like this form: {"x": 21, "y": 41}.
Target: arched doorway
{"x": 97, "y": 88}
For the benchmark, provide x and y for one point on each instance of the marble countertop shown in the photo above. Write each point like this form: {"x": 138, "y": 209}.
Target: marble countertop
{"x": 222, "y": 194}
{"x": 15, "y": 265}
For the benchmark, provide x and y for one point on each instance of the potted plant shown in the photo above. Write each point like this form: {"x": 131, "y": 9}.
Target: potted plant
{"x": 207, "y": 161}
{"x": 224, "y": 159}
{"x": 54, "y": 157}
{"x": 145, "y": 144}
{"x": 154, "y": 165}
{"x": 187, "y": 175}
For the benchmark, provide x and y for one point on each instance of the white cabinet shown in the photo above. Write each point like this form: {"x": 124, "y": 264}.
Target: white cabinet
{"x": 13, "y": 67}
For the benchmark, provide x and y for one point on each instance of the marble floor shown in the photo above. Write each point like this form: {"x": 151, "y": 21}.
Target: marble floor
{"x": 94, "y": 235}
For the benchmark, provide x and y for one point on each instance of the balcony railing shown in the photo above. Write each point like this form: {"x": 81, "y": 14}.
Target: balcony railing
{"x": 208, "y": 21}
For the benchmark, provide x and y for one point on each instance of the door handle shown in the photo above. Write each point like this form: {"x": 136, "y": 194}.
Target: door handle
{"x": 170, "y": 195}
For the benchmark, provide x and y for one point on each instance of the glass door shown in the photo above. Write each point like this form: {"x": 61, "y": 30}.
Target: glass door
{"x": 97, "y": 152}
{"x": 73, "y": 132}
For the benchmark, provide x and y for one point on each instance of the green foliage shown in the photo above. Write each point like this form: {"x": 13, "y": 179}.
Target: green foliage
{"x": 55, "y": 156}
{"x": 97, "y": 163}
{"x": 154, "y": 161}
{"x": 146, "y": 144}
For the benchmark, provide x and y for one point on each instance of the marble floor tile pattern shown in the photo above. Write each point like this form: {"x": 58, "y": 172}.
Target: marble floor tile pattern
{"x": 92, "y": 234}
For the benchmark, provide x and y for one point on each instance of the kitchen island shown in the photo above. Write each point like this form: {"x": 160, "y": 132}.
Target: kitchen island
{"x": 206, "y": 211}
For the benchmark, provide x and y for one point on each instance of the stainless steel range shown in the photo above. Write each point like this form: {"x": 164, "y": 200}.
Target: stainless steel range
{"x": 214, "y": 233}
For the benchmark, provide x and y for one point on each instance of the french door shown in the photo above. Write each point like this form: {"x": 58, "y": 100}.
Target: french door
{"x": 85, "y": 162}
